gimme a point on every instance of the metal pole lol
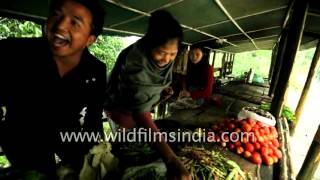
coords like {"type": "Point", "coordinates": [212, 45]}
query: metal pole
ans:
{"type": "Point", "coordinates": [295, 33]}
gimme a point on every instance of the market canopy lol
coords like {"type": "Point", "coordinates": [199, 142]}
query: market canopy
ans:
{"type": "Point", "coordinates": [230, 25]}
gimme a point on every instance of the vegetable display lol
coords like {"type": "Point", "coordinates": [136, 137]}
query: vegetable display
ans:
{"type": "Point", "coordinates": [251, 139]}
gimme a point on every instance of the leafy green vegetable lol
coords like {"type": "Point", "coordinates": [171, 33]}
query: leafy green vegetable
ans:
{"type": "Point", "coordinates": [4, 162]}
{"type": "Point", "coordinates": [286, 112]}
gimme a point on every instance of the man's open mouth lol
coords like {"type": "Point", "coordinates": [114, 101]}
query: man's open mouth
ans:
{"type": "Point", "coordinates": [60, 40]}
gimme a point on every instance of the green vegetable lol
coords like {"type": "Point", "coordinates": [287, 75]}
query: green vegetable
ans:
{"type": "Point", "coordinates": [286, 112]}
{"type": "Point", "coordinates": [206, 164]}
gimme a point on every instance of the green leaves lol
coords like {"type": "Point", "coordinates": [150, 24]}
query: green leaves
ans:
{"type": "Point", "coordinates": [107, 48]}
{"type": "Point", "coordinates": [18, 28]}
{"type": "Point", "coordinates": [4, 163]}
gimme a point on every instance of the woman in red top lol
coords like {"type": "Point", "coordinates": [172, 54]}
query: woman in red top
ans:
{"type": "Point", "coordinates": [198, 82]}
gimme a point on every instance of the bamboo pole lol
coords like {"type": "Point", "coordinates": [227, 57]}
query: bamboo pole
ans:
{"type": "Point", "coordinates": [307, 85]}
{"type": "Point", "coordinates": [312, 161]}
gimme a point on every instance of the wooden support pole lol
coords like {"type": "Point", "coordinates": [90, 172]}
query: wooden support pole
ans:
{"type": "Point", "coordinates": [222, 72]}
{"type": "Point", "coordinates": [312, 161]}
{"type": "Point", "coordinates": [279, 59]}
{"type": "Point", "coordinates": [213, 58]}
{"type": "Point", "coordinates": [232, 61]}
{"type": "Point", "coordinates": [307, 85]}
{"type": "Point", "coordinates": [273, 61]}
{"type": "Point", "coordinates": [295, 32]}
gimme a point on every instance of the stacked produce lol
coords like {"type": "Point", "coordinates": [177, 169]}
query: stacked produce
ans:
{"type": "Point", "coordinates": [204, 164]}
{"type": "Point", "coordinates": [252, 139]}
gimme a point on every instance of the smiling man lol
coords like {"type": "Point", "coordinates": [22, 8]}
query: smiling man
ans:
{"type": "Point", "coordinates": [46, 83]}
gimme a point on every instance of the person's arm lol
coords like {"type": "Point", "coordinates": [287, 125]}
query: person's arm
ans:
{"type": "Point", "coordinates": [207, 91]}
{"type": "Point", "coordinates": [184, 92]}
{"type": "Point", "coordinates": [175, 167]}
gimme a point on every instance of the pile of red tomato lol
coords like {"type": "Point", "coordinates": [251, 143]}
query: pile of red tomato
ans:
{"type": "Point", "coordinates": [252, 139]}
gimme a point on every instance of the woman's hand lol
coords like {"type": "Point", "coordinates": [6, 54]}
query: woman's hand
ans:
{"type": "Point", "coordinates": [167, 92]}
{"type": "Point", "coordinates": [184, 93]}
{"type": "Point", "coordinates": [176, 170]}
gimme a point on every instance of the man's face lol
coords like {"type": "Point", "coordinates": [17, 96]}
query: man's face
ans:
{"type": "Point", "coordinates": [195, 55]}
{"type": "Point", "coordinates": [69, 29]}
{"type": "Point", "coordinates": [166, 53]}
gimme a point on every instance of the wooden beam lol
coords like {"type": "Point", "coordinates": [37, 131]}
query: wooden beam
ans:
{"type": "Point", "coordinates": [311, 74]}
{"type": "Point", "coordinates": [299, 16]}
{"type": "Point", "coordinates": [312, 161]}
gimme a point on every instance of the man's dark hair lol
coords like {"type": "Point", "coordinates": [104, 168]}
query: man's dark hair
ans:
{"type": "Point", "coordinates": [162, 27]}
{"type": "Point", "coordinates": [98, 13]}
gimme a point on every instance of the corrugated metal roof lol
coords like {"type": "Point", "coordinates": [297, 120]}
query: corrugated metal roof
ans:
{"type": "Point", "coordinates": [247, 25]}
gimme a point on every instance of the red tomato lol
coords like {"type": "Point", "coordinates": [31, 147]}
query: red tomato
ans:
{"type": "Point", "coordinates": [225, 138]}
{"type": "Point", "coordinates": [278, 153]}
{"type": "Point", "coordinates": [247, 154]}
{"type": "Point", "coordinates": [249, 147]}
{"type": "Point", "coordinates": [272, 129]}
{"type": "Point", "coordinates": [266, 130]}
{"type": "Point", "coordinates": [240, 150]}
{"type": "Point", "coordinates": [260, 139]}
{"type": "Point", "coordinates": [246, 127]}
{"type": "Point", "coordinates": [238, 130]}
{"type": "Point", "coordinates": [264, 151]}
{"type": "Point", "coordinates": [231, 146]}
{"type": "Point", "coordinates": [276, 143]}
{"type": "Point", "coordinates": [275, 159]}
{"type": "Point", "coordinates": [238, 143]}
{"type": "Point", "coordinates": [231, 126]}
{"type": "Point", "coordinates": [261, 124]}
{"type": "Point", "coordinates": [257, 133]}
{"type": "Point", "coordinates": [251, 121]}
{"type": "Point", "coordinates": [257, 145]}
{"type": "Point", "coordinates": [256, 127]}
{"type": "Point", "coordinates": [267, 160]}
{"type": "Point", "coordinates": [256, 158]}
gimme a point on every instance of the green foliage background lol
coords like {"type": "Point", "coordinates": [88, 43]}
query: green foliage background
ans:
{"type": "Point", "coordinates": [18, 28]}
{"type": "Point", "coordinates": [259, 61]}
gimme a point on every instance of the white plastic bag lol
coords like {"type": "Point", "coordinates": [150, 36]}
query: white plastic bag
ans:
{"type": "Point", "coordinates": [98, 162]}
{"type": "Point", "coordinates": [249, 112]}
